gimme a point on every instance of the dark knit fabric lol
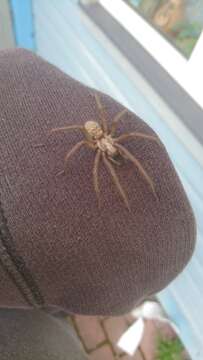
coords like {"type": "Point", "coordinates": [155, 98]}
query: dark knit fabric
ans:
{"type": "Point", "coordinates": [14, 265]}
{"type": "Point", "coordinates": [34, 335]}
{"type": "Point", "coordinates": [68, 252]}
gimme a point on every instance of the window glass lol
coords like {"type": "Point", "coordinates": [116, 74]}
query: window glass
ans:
{"type": "Point", "coordinates": [180, 21]}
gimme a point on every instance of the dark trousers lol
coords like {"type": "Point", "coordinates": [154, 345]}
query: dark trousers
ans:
{"type": "Point", "coordinates": [37, 335]}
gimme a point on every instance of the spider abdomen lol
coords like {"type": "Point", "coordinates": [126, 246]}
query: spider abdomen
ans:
{"type": "Point", "coordinates": [106, 145]}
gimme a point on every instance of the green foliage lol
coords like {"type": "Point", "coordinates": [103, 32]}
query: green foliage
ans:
{"type": "Point", "coordinates": [169, 349]}
{"type": "Point", "coordinates": [184, 34]}
{"type": "Point", "coordinates": [186, 45]}
{"type": "Point", "coordinates": [192, 30]}
{"type": "Point", "coordinates": [187, 35]}
{"type": "Point", "coordinates": [188, 30]}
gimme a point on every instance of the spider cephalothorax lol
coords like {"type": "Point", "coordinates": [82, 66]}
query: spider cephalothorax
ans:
{"type": "Point", "coordinates": [108, 148]}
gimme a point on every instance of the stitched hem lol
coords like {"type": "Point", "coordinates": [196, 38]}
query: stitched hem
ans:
{"type": "Point", "coordinates": [15, 266]}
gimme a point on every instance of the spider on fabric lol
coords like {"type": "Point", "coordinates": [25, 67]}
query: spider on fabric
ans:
{"type": "Point", "coordinates": [107, 148]}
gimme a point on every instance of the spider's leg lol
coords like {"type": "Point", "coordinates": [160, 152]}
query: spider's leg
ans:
{"type": "Point", "coordinates": [115, 180]}
{"type": "Point", "coordinates": [102, 114]}
{"type": "Point", "coordinates": [116, 120]}
{"type": "Point", "coordinates": [137, 134]}
{"type": "Point", "coordinates": [74, 149]}
{"type": "Point", "coordinates": [60, 173]}
{"type": "Point", "coordinates": [38, 145]}
{"type": "Point", "coordinates": [137, 164]}
{"type": "Point", "coordinates": [54, 130]}
{"type": "Point", "coordinates": [114, 161]}
{"type": "Point", "coordinates": [65, 128]}
{"type": "Point", "coordinates": [95, 175]}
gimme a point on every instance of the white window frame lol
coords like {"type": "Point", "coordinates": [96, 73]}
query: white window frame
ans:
{"type": "Point", "coordinates": [187, 72]}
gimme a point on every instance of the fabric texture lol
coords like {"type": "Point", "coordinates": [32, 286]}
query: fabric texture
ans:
{"type": "Point", "coordinates": [58, 248]}
{"type": "Point", "coordinates": [34, 335]}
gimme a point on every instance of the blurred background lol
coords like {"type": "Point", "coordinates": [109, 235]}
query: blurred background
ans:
{"type": "Point", "coordinates": [180, 21]}
{"type": "Point", "coordinates": [147, 54]}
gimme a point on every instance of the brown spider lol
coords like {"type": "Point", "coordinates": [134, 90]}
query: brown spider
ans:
{"type": "Point", "coordinates": [107, 148]}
